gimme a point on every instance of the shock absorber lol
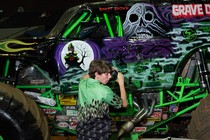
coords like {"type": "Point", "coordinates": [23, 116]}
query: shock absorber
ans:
{"type": "Point", "coordinates": [203, 70]}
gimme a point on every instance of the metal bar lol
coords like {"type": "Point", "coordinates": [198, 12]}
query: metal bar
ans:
{"type": "Point", "coordinates": [69, 30]}
{"type": "Point", "coordinates": [176, 115]}
{"type": "Point", "coordinates": [33, 86]}
{"type": "Point", "coordinates": [119, 26]}
{"type": "Point", "coordinates": [108, 25]}
{"type": "Point", "coordinates": [6, 68]}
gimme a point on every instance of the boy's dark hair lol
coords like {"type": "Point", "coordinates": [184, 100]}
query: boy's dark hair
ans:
{"type": "Point", "coordinates": [99, 66]}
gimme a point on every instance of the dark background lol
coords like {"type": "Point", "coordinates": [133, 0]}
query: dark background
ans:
{"type": "Point", "coordinates": [10, 7]}
{"type": "Point", "coordinates": [22, 13]}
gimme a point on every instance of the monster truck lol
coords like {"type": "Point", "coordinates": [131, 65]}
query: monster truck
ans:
{"type": "Point", "coordinates": [162, 48]}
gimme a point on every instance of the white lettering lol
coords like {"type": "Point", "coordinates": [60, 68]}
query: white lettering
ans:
{"type": "Point", "coordinates": [188, 10]}
{"type": "Point", "coordinates": [175, 10]}
{"type": "Point", "coordinates": [200, 10]}
{"type": "Point", "coordinates": [207, 9]}
{"type": "Point", "coordinates": [181, 10]}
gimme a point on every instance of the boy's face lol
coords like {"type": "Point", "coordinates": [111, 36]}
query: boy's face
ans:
{"type": "Point", "coordinates": [103, 78]}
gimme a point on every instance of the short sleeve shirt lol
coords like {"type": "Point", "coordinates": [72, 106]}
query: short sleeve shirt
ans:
{"type": "Point", "coordinates": [94, 99]}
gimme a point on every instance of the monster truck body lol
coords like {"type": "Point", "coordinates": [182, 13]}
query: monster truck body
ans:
{"type": "Point", "coordinates": [162, 53]}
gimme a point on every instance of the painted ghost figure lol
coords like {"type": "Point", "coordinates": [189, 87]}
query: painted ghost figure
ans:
{"type": "Point", "coordinates": [143, 22]}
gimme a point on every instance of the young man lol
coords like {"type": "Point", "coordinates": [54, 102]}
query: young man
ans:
{"type": "Point", "coordinates": [93, 122]}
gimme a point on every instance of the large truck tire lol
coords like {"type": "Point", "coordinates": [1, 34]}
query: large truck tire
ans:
{"type": "Point", "coordinates": [20, 117]}
{"type": "Point", "coordinates": [199, 127]}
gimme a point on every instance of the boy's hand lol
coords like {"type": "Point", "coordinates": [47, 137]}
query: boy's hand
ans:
{"type": "Point", "coordinates": [120, 78]}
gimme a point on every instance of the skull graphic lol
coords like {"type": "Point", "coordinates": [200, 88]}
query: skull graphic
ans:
{"type": "Point", "coordinates": [143, 22]}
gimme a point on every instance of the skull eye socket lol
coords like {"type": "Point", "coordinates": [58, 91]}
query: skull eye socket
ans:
{"type": "Point", "coordinates": [148, 17]}
{"type": "Point", "coordinates": [133, 18]}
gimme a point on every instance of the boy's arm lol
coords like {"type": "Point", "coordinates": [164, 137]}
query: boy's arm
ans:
{"type": "Point", "coordinates": [120, 80]}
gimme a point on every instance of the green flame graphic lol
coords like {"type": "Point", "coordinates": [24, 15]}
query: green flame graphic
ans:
{"type": "Point", "coordinates": [4, 46]}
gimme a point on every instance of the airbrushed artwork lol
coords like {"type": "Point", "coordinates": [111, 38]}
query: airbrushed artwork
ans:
{"type": "Point", "coordinates": [152, 45]}
{"type": "Point", "coordinates": [161, 48]}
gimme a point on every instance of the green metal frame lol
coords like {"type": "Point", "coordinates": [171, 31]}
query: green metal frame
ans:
{"type": "Point", "coordinates": [83, 17]}
{"type": "Point", "coordinates": [49, 94]}
{"type": "Point", "coordinates": [178, 97]}
{"type": "Point", "coordinates": [86, 17]}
